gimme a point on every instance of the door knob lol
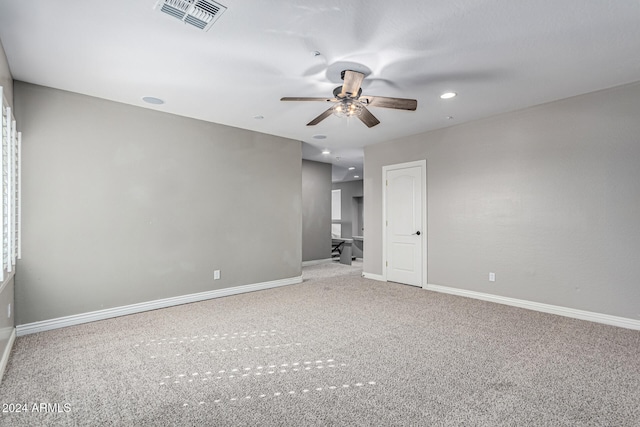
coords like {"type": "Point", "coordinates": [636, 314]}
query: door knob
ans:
{"type": "Point", "coordinates": [416, 233]}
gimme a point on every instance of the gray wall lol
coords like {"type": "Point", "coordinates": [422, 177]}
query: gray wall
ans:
{"type": "Point", "coordinates": [7, 322]}
{"type": "Point", "coordinates": [124, 205]}
{"type": "Point", "coordinates": [349, 211]}
{"type": "Point", "coordinates": [316, 210]}
{"type": "Point", "coordinates": [548, 198]}
{"type": "Point", "coordinates": [6, 289]}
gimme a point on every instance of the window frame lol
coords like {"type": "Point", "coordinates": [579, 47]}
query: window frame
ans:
{"type": "Point", "coordinates": [10, 180]}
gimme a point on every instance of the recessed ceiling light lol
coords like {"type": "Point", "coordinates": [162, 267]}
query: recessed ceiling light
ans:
{"type": "Point", "coordinates": [448, 95]}
{"type": "Point", "coordinates": [352, 168]}
{"type": "Point", "coordinates": [153, 100]}
{"type": "Point", "coordinates": [319, 136]}
{"type": "Point", "coordinates": [356, 176]}
{"type": "Point", "coordinates": [326, 152]}
{"type": "Point", "coordinates": [315, 53]}
{"type": "Point", "coordinates": [258, 117]}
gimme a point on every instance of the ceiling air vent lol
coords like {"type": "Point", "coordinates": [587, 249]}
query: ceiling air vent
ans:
{"type": "Point", "coordinates": [199, 13]}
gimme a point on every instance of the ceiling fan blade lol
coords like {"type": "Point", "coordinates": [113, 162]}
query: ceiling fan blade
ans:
{"type": "Point", "coordinates": [321, 117]}
{"type": "Point", "coordinates": [368, 118]}
{"type": "Point", "coordinates": [352, 82]}
{"type": "Point", "coordinates": [290, 98]}
{"type": "Point", "coordinates": [396, 103]}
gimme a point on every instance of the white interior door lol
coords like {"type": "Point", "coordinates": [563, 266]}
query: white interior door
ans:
{"type": "Point", "coordinates": [404, 224]}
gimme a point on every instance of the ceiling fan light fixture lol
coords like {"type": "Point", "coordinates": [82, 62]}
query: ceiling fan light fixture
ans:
{"type": "Point", "coordinates": [348, 108]}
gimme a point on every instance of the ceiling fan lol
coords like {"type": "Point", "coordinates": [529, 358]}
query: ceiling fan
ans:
{"type": "Point", "coordinates": [349, 101]}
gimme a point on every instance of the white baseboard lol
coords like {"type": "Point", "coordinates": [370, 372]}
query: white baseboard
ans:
{"type": "Point", "coordinates": [372, 276]}
{"type": "Point", "coordinates": [316, 262]}
{"type": "Point", "coordinates": [607, 319]}
{"type": "Point", "coordinates": [7, 353]}
{"type": "Point", "coordinates": [77, 319]}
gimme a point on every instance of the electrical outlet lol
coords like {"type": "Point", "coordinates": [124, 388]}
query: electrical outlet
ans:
{"type": "Point", "coordinates": [492, 277]}
{"type": "Point", "coordinates": [216, 275]}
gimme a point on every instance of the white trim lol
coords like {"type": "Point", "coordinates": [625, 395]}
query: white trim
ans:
{"type": "Point", "coordinates": [316, 262]}
{"type": "Point", "coordinates": [423, 171]}
{"type": "Point", "coordinates": [591, 316]}
{"type": "Point", "coordinates": [6, 281]}
{"type": "Point", "coordinates": [372, 276]}
{"type": "Point", "coordinates": [77, 319]}
{"type": "Point", "coordinates": [7, 353]}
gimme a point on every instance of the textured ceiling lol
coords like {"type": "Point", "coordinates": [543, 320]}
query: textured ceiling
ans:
{"type": "Point", "coordinates": [498, 55]}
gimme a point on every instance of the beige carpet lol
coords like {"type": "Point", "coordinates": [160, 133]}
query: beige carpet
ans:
{"type": "Point", "coordinates": [336, 349]}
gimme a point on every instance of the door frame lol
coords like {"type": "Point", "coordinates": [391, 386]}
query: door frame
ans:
{"type": "Point", "coordinates": [423, 169]}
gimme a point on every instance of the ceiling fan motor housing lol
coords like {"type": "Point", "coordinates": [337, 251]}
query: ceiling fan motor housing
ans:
{"type": "Point", "coordinates": [338, 91]}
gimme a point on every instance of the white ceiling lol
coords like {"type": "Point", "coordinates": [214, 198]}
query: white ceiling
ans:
{"type": "Point", "coordinates": [498, 55]}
